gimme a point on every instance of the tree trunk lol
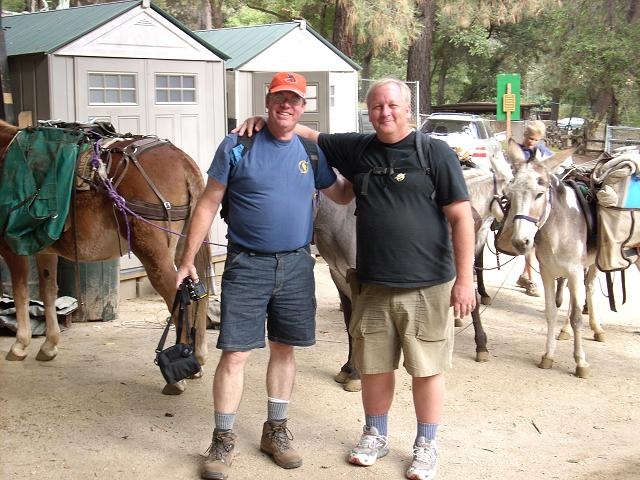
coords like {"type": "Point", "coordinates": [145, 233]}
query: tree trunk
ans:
{"type": "Point", "coordinates": [365, 74]}
{"type": "Point", "coordinates": [600, 109]}
{"type": "Point", "coordinates": [217, 18]}
{"type": "Point", "coordinates": [343, 35]}
{"type": "Point", "coordinates": [634, 11]}
{"type": "Point", "coordinates": [419, 56]}
{"type": "Point", "coordinates": [205, 16]}
{"type": "Point", "coordinates": [442, 80]}
{"type": "Point", "coordinates": [555, 105]}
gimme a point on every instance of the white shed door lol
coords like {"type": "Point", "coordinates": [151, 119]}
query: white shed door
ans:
{"type": "Point", "coordinates": [148, 97]}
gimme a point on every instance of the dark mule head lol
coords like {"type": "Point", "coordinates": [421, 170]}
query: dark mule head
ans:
{"type": "Point", "coordinates": [530, 197]}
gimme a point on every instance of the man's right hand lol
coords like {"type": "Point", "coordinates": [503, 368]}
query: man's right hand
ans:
{"type": "Point", "coordinates": [186, 271]}
{"type": "Point", "coordinates": [250, 126]}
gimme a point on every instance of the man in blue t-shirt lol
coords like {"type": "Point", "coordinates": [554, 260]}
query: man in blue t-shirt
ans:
{"type": "Point", "coordinates": [268, 272]}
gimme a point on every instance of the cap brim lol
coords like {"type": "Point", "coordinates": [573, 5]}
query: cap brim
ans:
{"type": "Point", "coordinates": [285, 88]}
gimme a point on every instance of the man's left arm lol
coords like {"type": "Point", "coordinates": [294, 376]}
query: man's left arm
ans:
{"type": "Point", "coordinates": [463, 293]}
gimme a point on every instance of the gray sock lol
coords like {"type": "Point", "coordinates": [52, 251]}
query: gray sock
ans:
{"type": "Point", "coordinates": [277, 409]}
{"type": "Point", "coordinates": [377, 421]}
{"type": "Point", "coordinates": [427, 430]}
{"type": "Point", "coordinates": [224, 421]}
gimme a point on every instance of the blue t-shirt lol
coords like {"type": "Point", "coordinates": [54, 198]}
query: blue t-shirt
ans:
{"type": "Point", "coordinates": [270, 191]}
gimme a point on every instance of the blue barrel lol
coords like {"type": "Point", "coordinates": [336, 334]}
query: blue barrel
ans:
{"type": "Point", "coordinates": [99, 288]}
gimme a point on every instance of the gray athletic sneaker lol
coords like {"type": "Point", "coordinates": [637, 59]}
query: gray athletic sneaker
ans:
{"type": "Point", "coordinates": [425, 460]}
{"type": "Point", "coordinates": [370, 447]}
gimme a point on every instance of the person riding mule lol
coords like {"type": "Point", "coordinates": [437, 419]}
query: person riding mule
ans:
{"type": "Point", "coordinates": [131, 204]}
{"type": "Point", "coordinates": [546, 214]}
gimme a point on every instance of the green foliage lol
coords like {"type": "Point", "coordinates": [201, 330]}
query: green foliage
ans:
{"type": "Point", "coordinates": [244, 16]}
{"type": "Point", "coordinates": [13, 5]}
{"type": "Point", "coordinates": [572, 52]}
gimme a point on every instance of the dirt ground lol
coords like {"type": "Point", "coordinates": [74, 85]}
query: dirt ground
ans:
{"type": "Point", "coordinates": [96, 411]}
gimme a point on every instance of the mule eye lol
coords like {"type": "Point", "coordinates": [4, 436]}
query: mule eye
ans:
{"type": "Point", "coordinates": [539, 196]}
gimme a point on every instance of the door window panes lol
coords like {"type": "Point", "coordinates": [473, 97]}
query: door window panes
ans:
{"type": "Point", "coordinates": [112, 88]}
{"type": "Point", "coordinates": [171, 88]}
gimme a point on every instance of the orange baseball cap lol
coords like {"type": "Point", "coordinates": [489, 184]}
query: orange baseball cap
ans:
{"type": "Point", "coordinates": [289, 81]}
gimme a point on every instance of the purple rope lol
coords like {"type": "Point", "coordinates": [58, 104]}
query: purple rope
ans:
{"type": "Point", "coordinates": [121, 204]}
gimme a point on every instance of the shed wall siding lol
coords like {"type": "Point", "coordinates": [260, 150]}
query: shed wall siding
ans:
{"type": "Point", "coordinates": [298, 51]}
{"type": "Point", "coordinates": [63, 86]}
{"type": "Point", "coordinates": [343, 114]}
{"type": "Point", "coordinates": [30, 85]}
{"type": "Point", "coordinates": [139, 33]}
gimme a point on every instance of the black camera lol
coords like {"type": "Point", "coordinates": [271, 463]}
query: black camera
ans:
{"type": "Point", "coordinates": [197, 290]}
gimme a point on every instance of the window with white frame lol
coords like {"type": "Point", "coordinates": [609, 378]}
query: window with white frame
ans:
{"type": "Point", "coordinates": [112, 88]}
{"type": "Point", "coordinates": [312, 98]}
{"type": "Point", "coordinates": [175, 88]}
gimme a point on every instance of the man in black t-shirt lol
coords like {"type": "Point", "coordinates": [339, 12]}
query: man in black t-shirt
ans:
{"type": "Point", "coordinates": [415, 249]}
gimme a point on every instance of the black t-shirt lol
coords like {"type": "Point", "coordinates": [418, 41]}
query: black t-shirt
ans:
{"type": "Point", "coordinates": [403, 238]}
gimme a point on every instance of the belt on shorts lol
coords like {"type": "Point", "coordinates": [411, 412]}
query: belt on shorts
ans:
{"type": "Point", "coordinates": [240, 248]}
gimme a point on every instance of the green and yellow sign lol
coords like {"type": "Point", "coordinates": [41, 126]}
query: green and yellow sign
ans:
{"type": "Point", "coordinates": [508, 96]}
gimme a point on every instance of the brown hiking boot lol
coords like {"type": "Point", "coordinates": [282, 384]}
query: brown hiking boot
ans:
{"type": "Point", "coordinates": [221, 453]}
{"type": "Point", "coordinates": [530, 287]}
{"type": "Point", "coordinates": [276, 441]}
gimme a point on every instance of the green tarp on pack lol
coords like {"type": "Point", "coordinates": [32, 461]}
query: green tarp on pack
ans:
{"type": "Point", "coordinates": [35, 187]}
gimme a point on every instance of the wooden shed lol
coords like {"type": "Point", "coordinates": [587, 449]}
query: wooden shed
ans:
{"type": "Point", "coordinates": [257, 52]}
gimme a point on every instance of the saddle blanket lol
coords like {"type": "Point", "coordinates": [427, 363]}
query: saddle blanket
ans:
{"type": "Point", "coordinates": [35, 186]}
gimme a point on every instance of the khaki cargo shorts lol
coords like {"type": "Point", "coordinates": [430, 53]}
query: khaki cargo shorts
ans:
{"type": "Point", "coordinates": [415, 321]}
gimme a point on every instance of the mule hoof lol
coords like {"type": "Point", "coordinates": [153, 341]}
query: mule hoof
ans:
{"type": "Point", "coordinates": [352, 385]}
{"type": "Point", "coordinates": [196, 376]}
{"type": "Point", "coordinates": [546, 363]}
{"type": "Point", "coordinates": [12, 357]}
{"type": "Point", "coordinates": [482, 357]}
{"type": "Point", "coordinates": [564, 335]}
{"type": "Point", "coordinates": [46, 357]}
{"type": "Point", "coordinates": [599, 337]}
{"type": "Point", "coordinates": [582, 372]}
{"type": "Point", "coordinates": [341, 377]}
{"type": "Point", "coordinates": [485, 300]}
{"type": "Point", "coordinates": [458, 322]}
{"type": "Point", "coordinates": [173, 388]}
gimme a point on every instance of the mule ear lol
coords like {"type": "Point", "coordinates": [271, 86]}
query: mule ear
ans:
{"type": "Point", "coordinates": [554, 161]}
{"type": "Point", "coordinates": [501, 167]}
{"type": "Point", "coordinates": [515, 155]}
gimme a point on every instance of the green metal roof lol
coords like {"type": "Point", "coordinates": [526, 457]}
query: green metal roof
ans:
{"type": "Point", "coordinates": [244, 43]}
{"type": "Point", "coordinates": [46, 32]}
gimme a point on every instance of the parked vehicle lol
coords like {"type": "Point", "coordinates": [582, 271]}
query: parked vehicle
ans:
{"type": "Point", "coordinates": [465, 132]}
{"type": "Point", "coordinates": [571, 123]}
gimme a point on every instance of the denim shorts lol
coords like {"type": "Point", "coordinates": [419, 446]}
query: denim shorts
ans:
{"type": "Point", "coordinates": [273, 291]}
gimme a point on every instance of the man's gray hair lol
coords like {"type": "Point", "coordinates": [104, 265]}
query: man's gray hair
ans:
{"type": "Point", "coordinates": [404, 88]}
